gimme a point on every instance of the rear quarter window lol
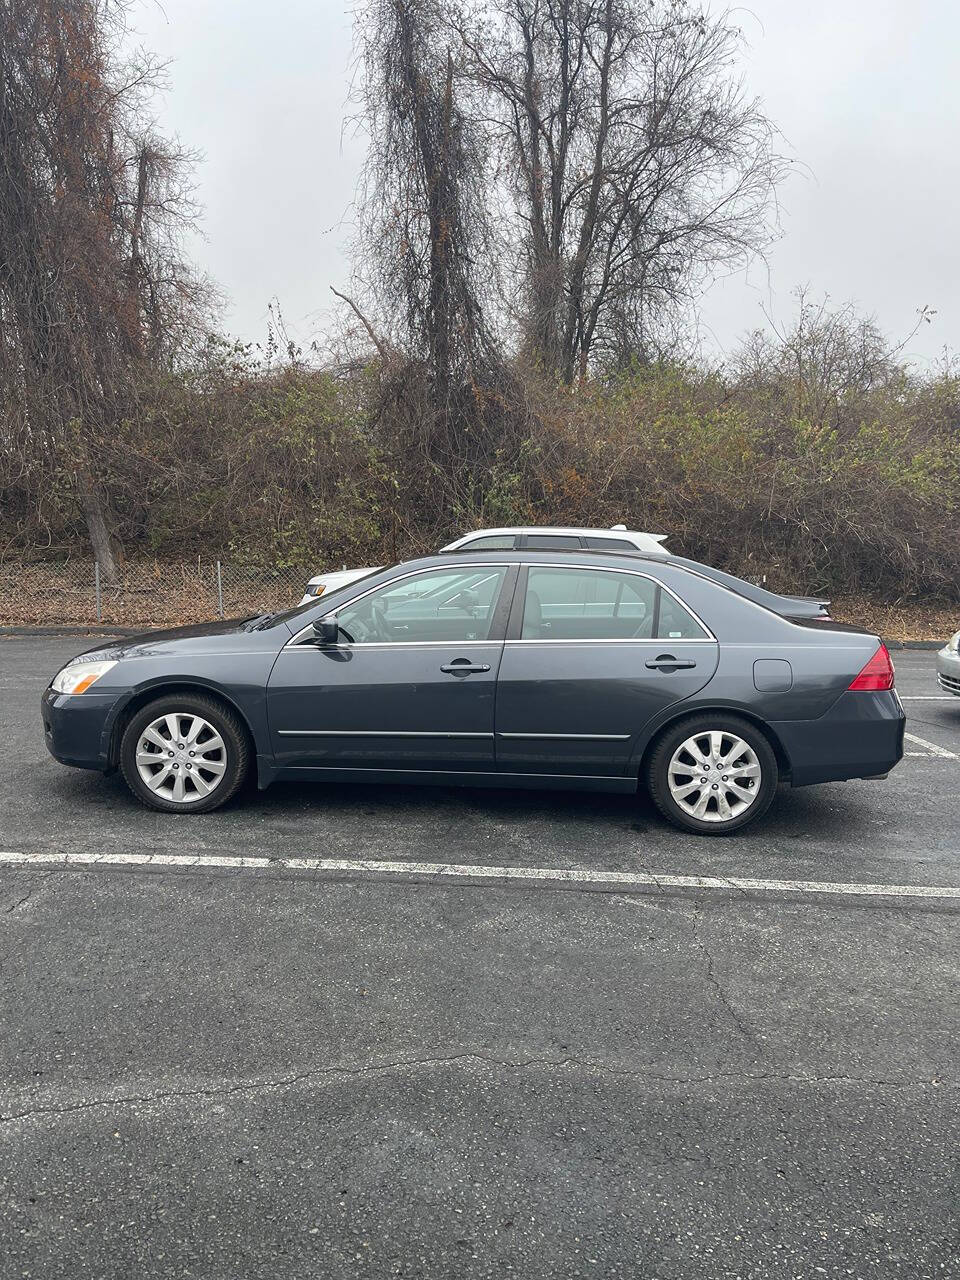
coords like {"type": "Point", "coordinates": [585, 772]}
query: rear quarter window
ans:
{"type": "Point", "coordinates": [676, 621]}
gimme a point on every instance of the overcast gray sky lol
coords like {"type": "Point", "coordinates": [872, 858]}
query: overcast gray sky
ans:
{"type": "Point", "coordinates": [865, 92]}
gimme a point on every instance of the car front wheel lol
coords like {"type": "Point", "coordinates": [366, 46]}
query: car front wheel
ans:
{"type": "Point", "coordinates": [713, 774]}
{"type": "Point", "coordinates": [184, 754]}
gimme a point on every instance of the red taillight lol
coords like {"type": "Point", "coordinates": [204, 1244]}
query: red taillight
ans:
{"type": "Point", "coordinates": [877, 674]}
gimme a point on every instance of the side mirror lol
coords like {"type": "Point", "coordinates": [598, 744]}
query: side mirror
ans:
{"type": "Point", "coordinates": [327, 630]}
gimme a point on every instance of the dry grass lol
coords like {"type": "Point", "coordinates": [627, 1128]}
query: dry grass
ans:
{"type": "Point", "coordinates": [899, 621]}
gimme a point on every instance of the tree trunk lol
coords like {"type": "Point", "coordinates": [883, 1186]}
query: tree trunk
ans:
{"type": "Point", "coordinates": [92, 503]}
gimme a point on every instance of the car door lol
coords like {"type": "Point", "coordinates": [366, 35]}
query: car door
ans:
{"type": "Point", "coordinates": [410, 683]}
{"type": "Point", "coordinates": [591, 655]}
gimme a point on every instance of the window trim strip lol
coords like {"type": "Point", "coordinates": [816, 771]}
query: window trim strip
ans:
{"type": "Point", "coordinates": [396, 644]}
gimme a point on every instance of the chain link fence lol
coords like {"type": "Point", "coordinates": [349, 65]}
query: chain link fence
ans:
{"type": "Point", "coordinates": [153, 593]}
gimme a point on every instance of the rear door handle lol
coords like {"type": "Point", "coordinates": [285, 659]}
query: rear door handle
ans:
{"type": "Point", "coordinates": [463, 667]}
{"type": "Point", "coordinates": [667, 662]}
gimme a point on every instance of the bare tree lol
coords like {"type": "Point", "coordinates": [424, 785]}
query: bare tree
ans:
{"type": "Point", "coordinates": [423, 229]}
{"type": "Point", "coordinates": [635, 161]}
{"type": "Point", "coordinates": [827, 367]}
{"type": "Point", "coordinates": [94, 291]}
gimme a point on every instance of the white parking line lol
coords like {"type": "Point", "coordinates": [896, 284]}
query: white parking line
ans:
{"type": "Point", "coordinates": [932, 747]}
{"type": "Point", "coordinates": [928, 697]}
{"type": "Point", "coordinates": [366, 867]}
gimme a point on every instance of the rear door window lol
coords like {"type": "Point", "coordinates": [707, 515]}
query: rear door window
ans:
{"type": "Point", "coordinates": [601, 604]}
{"type": "Point", "coordinates": [587, 604]}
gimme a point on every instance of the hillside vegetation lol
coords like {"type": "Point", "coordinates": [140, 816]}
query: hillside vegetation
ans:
{"type": "Point", "coordinates": [808, 460]}
{"type": "Point", "coordinates": [547, 191]}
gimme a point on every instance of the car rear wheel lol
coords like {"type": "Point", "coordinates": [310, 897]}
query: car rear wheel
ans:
{"type": "Point", "coordinates": [713, 774]}
{"type": "Point", "coordinates": [184, 754]}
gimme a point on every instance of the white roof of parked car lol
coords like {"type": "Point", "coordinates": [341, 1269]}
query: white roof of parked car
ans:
{"type": "Point", "coordinates": [348, 575]}
{"type": "Point", "coordinates": [644, 541]}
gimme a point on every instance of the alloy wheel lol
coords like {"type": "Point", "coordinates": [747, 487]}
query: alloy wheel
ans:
{"type": "Point", "coordinates": [181, 757]}
{"type": "Point", "coordinates": [714, 776]}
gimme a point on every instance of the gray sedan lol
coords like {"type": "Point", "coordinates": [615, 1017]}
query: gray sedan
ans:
{"type": "Point", "coordinates": [948, 666]}
{"type": "Point", "coordinates": [513, 668]}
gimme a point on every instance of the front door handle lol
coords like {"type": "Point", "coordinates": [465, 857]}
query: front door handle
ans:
{"type": "Point", "coordinates": [463, 667]}
{"type": "Point", "coordinates": [667, 662]}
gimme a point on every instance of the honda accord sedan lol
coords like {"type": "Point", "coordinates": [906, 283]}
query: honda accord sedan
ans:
{"type": "Point", "coordinates": [517, 668]}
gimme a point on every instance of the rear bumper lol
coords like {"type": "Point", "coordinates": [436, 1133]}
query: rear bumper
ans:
{"type": "Point", "coordinates": [76, 730]}
{"type": "Point", "coordinates": [861, 736]}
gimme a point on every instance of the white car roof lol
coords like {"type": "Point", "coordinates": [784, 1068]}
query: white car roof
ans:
{"type": "Point", "coordinates": [642, 541]}
{"type": "Point", "coordinates": [348, 575]}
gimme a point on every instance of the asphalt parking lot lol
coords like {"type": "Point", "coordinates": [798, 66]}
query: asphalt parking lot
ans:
{"type": "Point", "coordinates": [241, 1071]}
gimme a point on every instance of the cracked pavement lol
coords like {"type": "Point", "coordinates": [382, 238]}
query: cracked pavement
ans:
{"type": "Point", "coordinates": [244, 1075]}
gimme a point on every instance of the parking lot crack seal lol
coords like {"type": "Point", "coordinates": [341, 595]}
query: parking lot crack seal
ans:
{"type": "Point", "coordinates": [319, 1073]}
{"type": "Point", "coordinates": [30, 894]}
{"type": "Point", "coordinates": [713, 980]}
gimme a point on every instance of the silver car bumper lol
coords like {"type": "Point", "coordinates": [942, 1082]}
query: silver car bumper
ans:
{"type": "Point", "coordinates": [948, 671]}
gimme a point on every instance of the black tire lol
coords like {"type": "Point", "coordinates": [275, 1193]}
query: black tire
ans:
{"type": "Point", "coordinates": [658, 767]}
{"type": "Point", "coordinates": [235, 755]}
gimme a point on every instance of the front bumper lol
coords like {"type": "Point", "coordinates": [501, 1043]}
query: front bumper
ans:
{"type": "Point", "coordinates": [861, 736]}
{"type": "Point", "coordinates": [77, 728]}
{"type": "Point", "coordinates": [948, 671]}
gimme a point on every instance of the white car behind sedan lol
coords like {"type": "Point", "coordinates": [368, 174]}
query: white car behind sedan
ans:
{"type": "Point", "coordinates": [324, 582]}
{"type": "Point", "coordinates": [526, 537]}
{"type": "Point", "coordinates": [538, 537]}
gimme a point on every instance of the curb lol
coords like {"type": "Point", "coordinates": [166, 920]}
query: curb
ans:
{"type": "Point", "coordinates": [928, 646]}
{"type": "Point", "coordinates": [72, 631]}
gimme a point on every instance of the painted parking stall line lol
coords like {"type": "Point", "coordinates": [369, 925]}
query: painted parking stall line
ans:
{"type": "Point", "coordinates": [363, 868]}
{"type": "Point", "coordinates": [930, 748]}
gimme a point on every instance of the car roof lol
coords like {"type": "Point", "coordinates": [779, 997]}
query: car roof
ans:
{"type": "Point", "coordinates": [339, 573]}
{"type": "Point", "coordinates": [536, 555]}
{"type": "Point", "coordinates": [629, 558]}
{"type": "Point", "coordinates": [623, 534]}
{"type": "Point", "coordinates": [670, 571]}
{"type": "Point", "coordinates": [751, 591]}
{"type": "Point", "coordinates": [758, 596]}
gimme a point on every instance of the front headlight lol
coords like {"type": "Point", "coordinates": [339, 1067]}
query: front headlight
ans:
{"type": "Point", "coordinates": [954, 643]}
{"type": "Point", "coordinates": [315, 588]}
{"type": "Point", "coordinates": [76, 677]}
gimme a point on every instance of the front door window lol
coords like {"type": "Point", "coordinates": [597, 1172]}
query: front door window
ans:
{"type": "Point", "coordinates": [443, 605]}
